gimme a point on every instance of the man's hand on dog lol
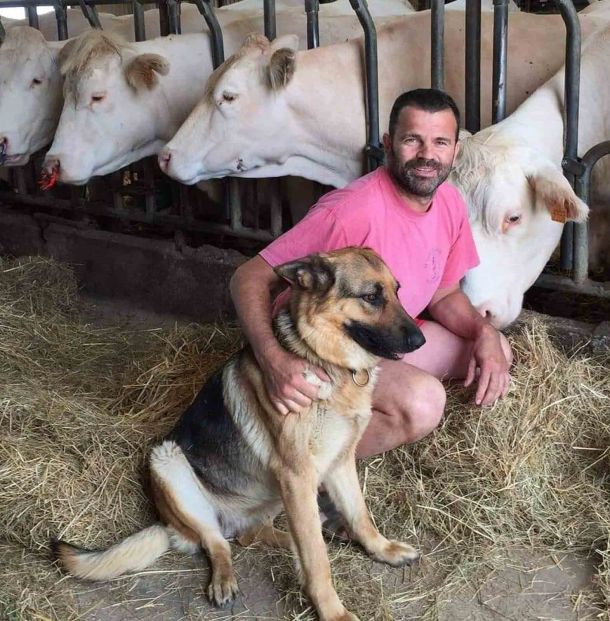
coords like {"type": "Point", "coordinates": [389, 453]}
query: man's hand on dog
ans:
{"type": "Point", "coordinates": [284, 375]}
{"type": "Point", "coordinates": [487, 355]}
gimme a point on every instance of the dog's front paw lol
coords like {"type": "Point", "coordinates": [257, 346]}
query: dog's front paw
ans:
{"type": "Point", "coordinates": [223, 589]}
{"type": "Point", "coordinates": [396, 553]}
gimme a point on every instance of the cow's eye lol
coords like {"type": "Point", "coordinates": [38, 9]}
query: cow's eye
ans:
{"type": "Point", "coordinates": [97, 97]}
{"type": "Point", "coordinates": [36, 81]}
{"type": "Point", "coordinates": [513, 219]}
{"type": "Point", "coordinates": [229, 97]}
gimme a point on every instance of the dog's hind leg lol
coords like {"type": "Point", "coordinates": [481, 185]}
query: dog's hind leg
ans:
{"type": "Point", "coordinates": [267, 534]}
{"type": "Point", "coordinates": [185, 505]}
{"type": "Point", "coordinates": [343, 486]}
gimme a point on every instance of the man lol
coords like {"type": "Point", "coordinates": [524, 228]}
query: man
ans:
{"type": "Point", "coordinates": [419, 225]}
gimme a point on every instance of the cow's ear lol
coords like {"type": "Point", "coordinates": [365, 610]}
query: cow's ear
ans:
{"type": "Point", "coordinates": [553, 190]}
{"type": "Point", "coordinates": [281, 67]}
{"type": "Point", "coordinates": [311, 273]}
{"type": "Point", "coordinates": [141, 71]}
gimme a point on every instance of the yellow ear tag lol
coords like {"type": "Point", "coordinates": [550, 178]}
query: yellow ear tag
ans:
{"type": "Point", "coordinates": [558, 212]}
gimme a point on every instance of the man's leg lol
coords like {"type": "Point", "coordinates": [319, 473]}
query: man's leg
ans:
{"type": "Point", "coordinates": [409, 399]}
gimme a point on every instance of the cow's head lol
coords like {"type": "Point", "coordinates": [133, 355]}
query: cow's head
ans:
{"type": "Point", "coordinates": [30, 94]}
{"type": "Point", "coordinates": [518, 201]}
{"type": "Point", "coordinates": [241, 124]}
{"type": "Point", "coordinates": [108, 119]}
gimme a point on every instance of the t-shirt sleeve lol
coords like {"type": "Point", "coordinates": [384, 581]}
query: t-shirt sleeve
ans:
{"type": "Point", "coordinates": [463, 254]}
{"type": "Point", "coordinates": [318, 231]}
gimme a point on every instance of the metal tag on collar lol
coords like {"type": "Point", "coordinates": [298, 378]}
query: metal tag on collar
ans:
{"type": "Point", "coordinates": [358, 381]}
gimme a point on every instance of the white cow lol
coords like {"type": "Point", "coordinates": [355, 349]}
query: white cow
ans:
{"type": "Point", "coordinates": [30, 97]}
{"type": "Point", "coordinates": [511, 178]}
{"type": "Point", "coordinates": [303, 113]}
{"type": "Point", "coordinates": [96, 139]}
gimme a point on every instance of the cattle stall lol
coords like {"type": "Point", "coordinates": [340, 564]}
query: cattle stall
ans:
{"type": "Point", "coordinates": [245, 213]}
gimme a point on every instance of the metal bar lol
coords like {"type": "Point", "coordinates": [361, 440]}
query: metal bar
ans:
{"type": "Point", "coordinates": [173, 11]}
{"type": "Point", "coordinates": [500, 59]}
{"type": "Point", "coordinates": [65, 3]}
{"type": "Point", "coordinates": [373, 148]}
{"type": "Point", "coordinates": [563, 283]}
{"type": "Point", "coordinates": [62, 21]}
{"type": "Point", "coordinates": [571, 102]}
{"type": "Point", "coordinates": [139, 24]}
{"type": "Point", "coordinates": [90, 15]}
{"type": "Point", "coordinates": [581, 187]}
{"type": "Point", "coordinates": [437, 34]}
{"type": "Point", "coordinates": [269, 17]}
{"type": "Point", "coordinates": [123, 214]}
{"type": "Point", "coordinates": [312, 8]}
{"type": "Point", "coordinates": [234, 203]}
{"type": "Point", "coordinates": [32, 16]}
{"type": "Point", "coordinates": [473, 65]}
{"type": "Point", "coordinates": [218, 50]}
{"type": "Point", "coordinates": [2, 32]}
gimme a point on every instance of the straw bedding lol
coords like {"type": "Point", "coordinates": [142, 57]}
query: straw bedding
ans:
{"type": "Point", "coordinates": [79, 407]}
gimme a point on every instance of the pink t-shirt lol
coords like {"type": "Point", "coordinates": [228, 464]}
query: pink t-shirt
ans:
{"type": "Point", "coordinates": [425, 251]}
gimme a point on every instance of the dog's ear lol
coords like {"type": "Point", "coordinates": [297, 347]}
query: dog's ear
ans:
{"type": "Point", "coordinates": [312, 273]}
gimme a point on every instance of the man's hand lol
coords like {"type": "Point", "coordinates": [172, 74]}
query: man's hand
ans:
{"type": "Point", "coordinates": [284, 375]}
{"type": "Point", "coordinates": [487, 355]}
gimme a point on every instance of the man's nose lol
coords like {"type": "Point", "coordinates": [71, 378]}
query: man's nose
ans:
{"type": "Point", "coordinates": [426, 151]}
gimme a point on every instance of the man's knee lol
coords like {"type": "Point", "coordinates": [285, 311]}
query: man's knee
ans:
{"type": "Point", "coordinates": [424, 404]}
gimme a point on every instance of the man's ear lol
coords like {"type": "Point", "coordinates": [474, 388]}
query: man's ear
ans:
{"type": "Point", "coordinates": [387, 144]}
{"type": "Point", "coordinates": [141, 71]}
{"type": "Point", "coordinates": [556, 194]}
{"type": "Point", "coordinates": [313, 273]}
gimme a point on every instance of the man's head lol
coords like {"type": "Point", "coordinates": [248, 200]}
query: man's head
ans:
{"type": "Point", "coordinates": [422, 141]}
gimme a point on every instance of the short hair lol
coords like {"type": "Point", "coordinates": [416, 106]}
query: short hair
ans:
{"type": "Point", "coordinates": [428, 99]}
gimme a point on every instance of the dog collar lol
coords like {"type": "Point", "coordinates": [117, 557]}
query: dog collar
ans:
{"type": "Point", "coordinates": [364, 381]}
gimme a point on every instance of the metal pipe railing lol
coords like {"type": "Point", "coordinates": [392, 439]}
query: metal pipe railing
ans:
{"type": "Point", "coordinates": [173, 15]}
{"type": "Point", "coordinates": [139, 24]}
{"type": "Point", "coordinates": [374, 152]}
{"type": "Point", "coordinates": [216, 39]}
{"type": "Point", "coordinates": [500, 59]}
{"type": "Point", "coordinates": [269, 19]}
{"type": "Point", "coordinates": [582, 188]}
{"type": "Point", "coordinates": [90, 15]}
{"type": "Point", "coordinates": [32, 16]}
{"type": "Point", "coordinates": [571, 103]}
{"type": "Point", "coordinates": [437, 48]}
{"type": "Point", "coordinates": [62, 20]}
{"type": "Point", "coordinates": [312, 8]}
{"type": "Point", "coordinates": [473, 66]}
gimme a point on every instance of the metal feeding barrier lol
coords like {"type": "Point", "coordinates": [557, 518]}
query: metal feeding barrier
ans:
{"type": "Point", "coordinates": [137, 193]}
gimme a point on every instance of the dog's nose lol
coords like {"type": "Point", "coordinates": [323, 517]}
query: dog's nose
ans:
{"type": "Point", "coordinates": [415, 338]}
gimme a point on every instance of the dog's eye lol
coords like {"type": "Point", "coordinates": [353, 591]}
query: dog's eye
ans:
{"type": "Point", "coordinates": [371, 298]}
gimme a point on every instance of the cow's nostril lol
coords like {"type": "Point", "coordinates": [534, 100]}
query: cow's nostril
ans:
{"type": "Point", "coordinates": [164, 159]}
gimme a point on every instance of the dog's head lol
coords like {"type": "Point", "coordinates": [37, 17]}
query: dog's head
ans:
{"type": "Point", "coordinates": [344, 305]}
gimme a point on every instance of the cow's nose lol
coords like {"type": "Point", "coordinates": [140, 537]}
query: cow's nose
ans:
{"type": "Point", "coordinates": [51, 163]}
{"type": "Point", "coordinates": [164, 158]}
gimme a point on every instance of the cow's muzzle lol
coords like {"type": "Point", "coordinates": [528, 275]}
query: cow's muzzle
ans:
{"type": "Point", "coordinates": [50, 173]}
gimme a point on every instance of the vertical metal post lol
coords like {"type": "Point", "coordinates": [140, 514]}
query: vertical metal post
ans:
{"type": "Point", "coordinates": [269, 16]}
{"type": "Point", "coordinates": [173, 11]}
{"type": "Point", "coordinates": [500, 57]}
{"type": "Point", "coordinates": [32, 16]}
{"type": "Point", "coordinates": [581, 187]}
{"type": "Point", "coordinates": [90, 15]}
{"type": "Point", "coordinates": [312, 8]}
{"type": "Point", "coordinates": [218, 51]}
{"type": "Point", "coordinates": [373, 149]}
{"type": "Point", "coordinates": [437, 33]}
{"type": "Point", "coordinates": [571, 103]}
{"type": "Point", "coordinates": [139, 24]}
{"type": "Point", "coordinates": [62, 21]}
{"type": "Point", "coordinates": [473, 65]}
{"type": "Point", "coordinates": [2, 32]}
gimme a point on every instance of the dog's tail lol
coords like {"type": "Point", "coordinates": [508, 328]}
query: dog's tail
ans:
{"type": "Point", "coordinates": [132, 554]}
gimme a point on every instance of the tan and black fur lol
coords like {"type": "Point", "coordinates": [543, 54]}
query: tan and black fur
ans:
{"type": "Point", "coordinates": [233, 461]}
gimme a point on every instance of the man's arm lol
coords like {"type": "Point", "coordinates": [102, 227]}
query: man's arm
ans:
{"type": "Point", "coordinates": [252, 287]}
{"type": "Point", "coordinates": [451, 308]}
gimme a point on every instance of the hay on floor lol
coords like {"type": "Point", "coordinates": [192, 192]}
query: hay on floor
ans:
{"type": "Point", "coordinates": [80, 406]}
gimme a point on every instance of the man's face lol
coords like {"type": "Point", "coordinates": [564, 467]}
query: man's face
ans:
{"type": "Point", "coordinates": [421, 153]}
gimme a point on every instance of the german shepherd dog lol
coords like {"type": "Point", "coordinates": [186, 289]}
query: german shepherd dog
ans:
{"type": "Point", "coordinates": [232, 460]}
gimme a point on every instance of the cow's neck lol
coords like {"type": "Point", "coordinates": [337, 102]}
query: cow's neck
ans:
{"type": "Point", "coordinates": [180, 90]}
